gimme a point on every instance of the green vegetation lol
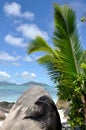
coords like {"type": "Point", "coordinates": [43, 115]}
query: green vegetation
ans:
{"type": "Point", "coordinates": [65, 62]}
{"type": "Point", "coordinates": [83, 19]}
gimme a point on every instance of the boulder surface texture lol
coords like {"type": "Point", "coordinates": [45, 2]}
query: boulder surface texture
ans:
{"type": "Point", "coordinates": [34, 110]}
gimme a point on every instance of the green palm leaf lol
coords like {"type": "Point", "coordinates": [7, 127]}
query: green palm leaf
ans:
{"type": "Point", "coordinates": [66, 38]}
{"type": "Point", "coordinates": [49, 57]}
{"type": "Point", "coordinates": [39, 44]}
{"type": "Point", "coordinates": [63, 61]}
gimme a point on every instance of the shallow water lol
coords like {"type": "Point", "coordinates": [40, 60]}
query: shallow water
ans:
{"type": "Point", "coordinates": [13, 92]}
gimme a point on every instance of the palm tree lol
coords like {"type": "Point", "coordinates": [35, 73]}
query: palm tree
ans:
{"type": "Point", "coordinates": [64, 60]}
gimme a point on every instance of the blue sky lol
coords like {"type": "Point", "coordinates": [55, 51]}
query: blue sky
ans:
{"type": "Point", "coordinates": [20, 22]}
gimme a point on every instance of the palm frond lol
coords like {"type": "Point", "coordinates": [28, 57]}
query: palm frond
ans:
{"type": "Point", "coordinates": [39, 44]}
{"type": "Point", "coordinates": [66, 38]}
{"type": "Point", "coordinates": [63, 61]}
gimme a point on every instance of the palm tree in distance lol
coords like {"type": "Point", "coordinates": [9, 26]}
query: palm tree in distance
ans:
{"type": "Point", "coordinates": [65, 61]}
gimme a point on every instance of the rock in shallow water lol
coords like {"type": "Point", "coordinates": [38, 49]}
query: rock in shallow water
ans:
{"type": "Point", "coordinates": [34, 110]}
{"type": "Point", "coordinates": [6, 106]}
{"type": "Point", "coordinates": [2, 115]}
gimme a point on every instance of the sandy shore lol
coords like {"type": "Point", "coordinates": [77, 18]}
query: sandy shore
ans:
{"type": "Point", "coordinates": [61, 113]}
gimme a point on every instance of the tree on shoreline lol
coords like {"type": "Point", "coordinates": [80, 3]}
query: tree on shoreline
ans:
{"type": "Point", "coordinates": [65, 62]}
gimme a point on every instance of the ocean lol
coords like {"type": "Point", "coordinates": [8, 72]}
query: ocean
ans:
{"type": "Point", "coordinates": [11, 93]}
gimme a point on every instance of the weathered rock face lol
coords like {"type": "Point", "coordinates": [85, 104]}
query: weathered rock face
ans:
{"type": "Point", "coordinates": [34, 110]}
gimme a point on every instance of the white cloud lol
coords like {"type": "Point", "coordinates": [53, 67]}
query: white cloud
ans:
{"type": "Point", "coordinates": [6, 57]}
{"type": "Point", "coordinates": [27, 59]}
{"type": "Point", "coordinates": [16, 63]}
{"type": "Point", "coordinates": [31, 30]}
{"type": "Point", "coordinates": [17, 22]}
{"type": "Point", "coordinates": [27, 76]}
{"type": "Point", "coordinates": [14, 9]}
{"type": "Point", "coordinates": [4, 76]}
{"type": "Point", "coordinates": [15, 41]}
{"type": "Point", "coordinates": [28, 15]}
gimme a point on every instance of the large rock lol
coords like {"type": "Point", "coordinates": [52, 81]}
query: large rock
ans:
{"type": "Point", "coordinates": [34, 110]}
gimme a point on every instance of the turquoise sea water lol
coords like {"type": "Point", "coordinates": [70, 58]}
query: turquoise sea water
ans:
{"type": "Point", "coordinates": [13, 92]}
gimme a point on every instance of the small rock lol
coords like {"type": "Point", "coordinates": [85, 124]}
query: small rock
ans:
{"type": "Point", "coordinates": [2, 115]}
{"type": "Point", "coordinates": [65, 106]}
{"type": "Point", "coordinates": [6, 106]}
{"type": "Point", "coordinates": [62, 104]}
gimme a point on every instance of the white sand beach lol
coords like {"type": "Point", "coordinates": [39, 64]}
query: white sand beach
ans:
{"type": "Point", "coordinates": [1, 122]}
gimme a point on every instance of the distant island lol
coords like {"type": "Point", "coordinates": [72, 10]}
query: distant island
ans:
{"type": "Point", "coordinates": [34, 83]}
{"type": "Point", "coordinates": [7, 83]}
{"type": "Point", "coordinates": [31, 83]}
